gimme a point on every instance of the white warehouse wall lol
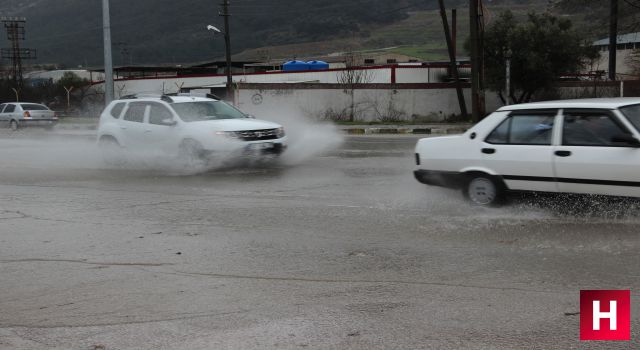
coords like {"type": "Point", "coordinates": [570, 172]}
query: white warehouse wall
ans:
{"type": "Point", "coordinates": [423, 105]}
{"type": "Point", "coordinates": [172, 85]}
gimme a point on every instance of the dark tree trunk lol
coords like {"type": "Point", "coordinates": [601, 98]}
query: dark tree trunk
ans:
{"type": "Point", "coordinates": [504, 102]}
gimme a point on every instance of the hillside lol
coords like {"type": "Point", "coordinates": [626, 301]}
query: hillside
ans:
{"type": "Point", "coordinates": [173, 32]}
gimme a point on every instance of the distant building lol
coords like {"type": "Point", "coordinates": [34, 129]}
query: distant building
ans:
{"type": "Point", "coordinates": [627, 44]}
{"type": "Point", "coordinates": [55, 75]}
{"type": "Point", "coordinates": [367, 58]}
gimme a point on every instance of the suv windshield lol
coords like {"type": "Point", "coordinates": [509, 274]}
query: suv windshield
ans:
{"type": "Point", "coordinates": [633, 114]}
{"type": "Point", "coordinates": [206, 110]}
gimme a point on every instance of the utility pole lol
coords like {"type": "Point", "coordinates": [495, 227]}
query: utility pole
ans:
{"type": "Point", "coordinates": [613, 39]}
{"type": "Point", "coordinates": [108, 59]}
{"type": "Point", "coordinates": [454, 31]}
{"type": "Point", "coordinates": [16, 33]}
{"type": "Point", "coordinates": [452, 57]}
{"type": "Point", "coordinates": [507, 56]}
{"type": "Point", "coordinates": [475, 60]}
{"type": "Point", "coordinates": [227, 44]}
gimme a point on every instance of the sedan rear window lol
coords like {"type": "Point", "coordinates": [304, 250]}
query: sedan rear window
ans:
{"type": "Point", "coordinates": [524, 130]}
{"type": "Point", "coordinates": [34, 107]}
{"type": "Point", "coordinates": [633, 115]}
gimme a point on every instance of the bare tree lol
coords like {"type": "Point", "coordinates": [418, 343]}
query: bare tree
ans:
{"type": "Point", "coordinates": [351, 77]}
{"type": "Point", "coordinates": [633, 60]}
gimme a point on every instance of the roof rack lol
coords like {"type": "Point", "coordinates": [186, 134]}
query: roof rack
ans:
{"type": "Point", "coordinates": [165, 98]}
{"type": "Point", "coordinates": [192, 94]}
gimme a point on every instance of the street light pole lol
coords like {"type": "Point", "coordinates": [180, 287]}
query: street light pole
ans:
{"type": "Point", "coordinates": [227, 43]}
{"type": "Point", "coordinates": [108, 63]}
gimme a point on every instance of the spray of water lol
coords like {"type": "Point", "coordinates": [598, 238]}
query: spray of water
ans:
{"type": "Point", "coordinates": [307, 138]}
{"type": "Point", "coordinates": [68, 150]}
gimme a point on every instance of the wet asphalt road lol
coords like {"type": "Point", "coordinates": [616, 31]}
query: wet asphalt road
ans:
{"type": "Point", "coordinates": [343, 250]}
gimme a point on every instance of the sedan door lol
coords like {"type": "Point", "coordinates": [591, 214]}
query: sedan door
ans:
{"type": "Point", "coordinates": [4, 120]}
{"type": "Point", "coordinates": [592, 157]}
{"type": "Point", "coordinates": [520, 149]}
{"type": "Point", "coordinates": [9, 112]}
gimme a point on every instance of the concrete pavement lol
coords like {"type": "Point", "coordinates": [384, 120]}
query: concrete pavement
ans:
{"type": "Point", "coordinates": [420, 129]}
{"type": "Point", "coordinates": [339, 250]}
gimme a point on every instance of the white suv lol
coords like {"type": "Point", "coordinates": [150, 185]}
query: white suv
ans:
{"type": "Point", "coordinates": [575, 146]}
{"type": "Point", "coordinates": [194, 127]}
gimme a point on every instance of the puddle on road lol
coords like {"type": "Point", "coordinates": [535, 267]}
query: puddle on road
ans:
{"type": "Point", "coordinates": [388, 187]}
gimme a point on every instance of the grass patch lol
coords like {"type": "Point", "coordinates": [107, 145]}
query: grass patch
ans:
{"type": "Point", "coordinates": [422, 52]}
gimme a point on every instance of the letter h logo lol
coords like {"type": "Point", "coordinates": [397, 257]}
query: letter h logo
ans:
{"type": "Point", "coordinates": [605, 315]}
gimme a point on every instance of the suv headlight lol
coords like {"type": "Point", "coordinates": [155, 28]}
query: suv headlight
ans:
{"type": "Point", "coordinates": [227, 134]}
{"type": "Point", "coordinates": [280, 132]}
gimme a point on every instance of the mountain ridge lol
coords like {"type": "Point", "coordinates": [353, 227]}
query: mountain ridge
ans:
{"type": "Point", "coordinates": [174, 32]}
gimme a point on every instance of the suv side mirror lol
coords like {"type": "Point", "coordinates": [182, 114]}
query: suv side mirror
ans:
{"type": "Point", "coordinates": [169, 122]}
{"type": "Point", "coordinates": [626, 138]}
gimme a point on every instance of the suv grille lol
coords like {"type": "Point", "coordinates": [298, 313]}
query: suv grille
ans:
{"type": "Point", "coordinates": [257, 135]}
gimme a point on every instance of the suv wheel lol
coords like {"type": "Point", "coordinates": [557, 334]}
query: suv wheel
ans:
{"type": "Point", "coordinates": [111, 151]}
{"type": "Point", "coordinates": [484, 190]}
{"type": "Point", "coordinates": [191, 152]}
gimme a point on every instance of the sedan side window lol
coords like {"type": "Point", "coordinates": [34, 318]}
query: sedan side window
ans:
{"type": "Point", "coordinates": [524, 129]}
{"type": "Point", "coordinates": [159, 114]}
{"type": "Point", "coordinates": [10, 109]}
{"type": "Point", "coordinates": [592, 129]}
{"type": "Point", "coordinates": [2, 107]}
{"type": "Point", "coordinates": [500, 135]}
{"type": "Point", "coordinates": [135, 113]}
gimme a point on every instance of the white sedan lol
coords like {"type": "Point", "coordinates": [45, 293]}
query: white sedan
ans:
{"type": "Point", "coordinates": [20, 114]}
{"type": "Point", "coordinates": [589, 146]}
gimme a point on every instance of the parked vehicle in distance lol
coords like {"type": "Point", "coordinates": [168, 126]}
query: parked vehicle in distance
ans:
{"type": "Point", "coordinates": [193, 127]}
{"type": "Point", "coordinates": [16, 115]}
{"type": "Point", "coordinates": [589, 146]}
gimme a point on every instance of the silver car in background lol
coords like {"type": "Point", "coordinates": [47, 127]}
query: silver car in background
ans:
{"type": "Point", "coordinates": [16, 115]}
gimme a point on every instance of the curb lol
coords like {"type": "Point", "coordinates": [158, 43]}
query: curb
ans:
{"type": "Point", "coordinates": [421, 130]}
{"type": "Point", "coordinates": [405, 131]}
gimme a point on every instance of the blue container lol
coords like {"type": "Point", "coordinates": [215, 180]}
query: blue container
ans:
{"type": "Point", "coordinates": [318, 65]}
{"type": "Point", "coordinates": [293, 66]}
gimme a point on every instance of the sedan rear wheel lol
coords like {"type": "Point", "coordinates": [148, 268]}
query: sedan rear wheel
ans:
{"type": "Point", "coordinates": [484, 190]}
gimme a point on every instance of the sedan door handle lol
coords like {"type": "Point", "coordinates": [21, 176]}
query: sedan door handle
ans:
{"type": "Point", "coordinates": [563, 153]}
{"type": "Point", "coordinates": [147, 131]}
{"type": "Point", "coordinates": [488, 150]}
{"type": "Point", "coordinates": [123, 127]}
